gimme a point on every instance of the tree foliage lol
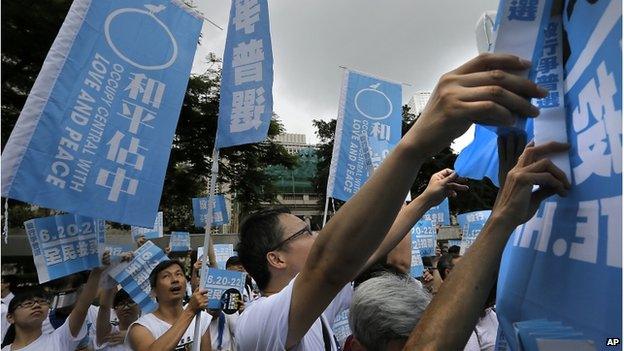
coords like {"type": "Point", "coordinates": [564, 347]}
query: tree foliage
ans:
{"type": "Point", "coordinates": [29, 28]}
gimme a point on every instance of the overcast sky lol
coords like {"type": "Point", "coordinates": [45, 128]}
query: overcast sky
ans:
{"type": "Point", "coordinates": [403, 40]}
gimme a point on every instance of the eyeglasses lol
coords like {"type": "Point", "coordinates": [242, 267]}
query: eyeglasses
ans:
{"type": "Point", "coordinates": [305, 230]}
{"type": "Point", "coordinates": [125, 304]}
{"type": "Point", "coordinates": [31, 303]}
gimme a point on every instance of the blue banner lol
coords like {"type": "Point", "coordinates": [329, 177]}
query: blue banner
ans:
{"type": "Point", "coordinates": [116, 250]}
{"type": "Point", "coordinates": [180, 241]}
{"type": "Point", "coordinates": [471, 224]}
{"type": "Point", "coordinates": [65, 244]}
{"type": "Point", "coordinates": [417, 267]}
{"type": "Point", "coordinates": [149, 233]}
{"type": "Point", "coordinates": [134, 276]}
{"type": "Point", "coordinates": [222, 253]}
{"type": "Point", "coordinates": [341, 328]}
{"type": "Point", "coordinates": [424, 237]}
{"type": "Point", "coordinates": [439, 214]}
{"type": "Point", "coordinates": [565, 264]}
{"type": "Point", "coordinates": [95, 133]}
{"type": "Point", "coordinates": [220, 280]}
{"type": "Point", "coordinates": [200, 211]}
{"type": "Point", "coordinates": [246, 103]}
{"type": "Point", "coordinates": [367, 129]}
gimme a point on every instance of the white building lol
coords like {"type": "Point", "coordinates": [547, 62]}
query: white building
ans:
{"type": "Point", "coordinates": [418, 102]}
{"type": "Point", "coordinates": [292, 142]}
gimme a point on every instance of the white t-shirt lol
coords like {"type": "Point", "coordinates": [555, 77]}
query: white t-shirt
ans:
{"type": "Point", "coordinates": [119, 347]}
{"type": "Point", "coordinates": [158, 327]}
{"type": "Point", "coordinates": [4, 309]}
{"type": "Point", "coordinates": [483, 337]}
{"type": "Point", "coordinates": [228, 342]}
{"type": "Point", "coordinates": [264, 323]}
{"type": "Point", "coordinates": [59, 340]}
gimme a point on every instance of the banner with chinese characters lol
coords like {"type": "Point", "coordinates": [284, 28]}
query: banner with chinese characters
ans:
{"type": "Point", "coordinates": [471, 224]}
{"type": "Point", "coordinates": [223, 252]}
{"type": "Point", "coordinates": [95, 133]}
{"type": "Point", "coordinates": [439, 214]}
{"type": "Point", "coordinates": [180, 241]}
{"type": "Point", "coordinates": [341, 328]}
{"type": "Point", "coordinates": [417, 266]}
{"type": "Point", "coordinates": [218, 281]}
{"type": "Point", "coordinates": [134, 276]}
{"type": "Point", "coordinates": [565, 264]}
{"type": "Point", "coordinates": [519, 30]}
{"type": "Point", "coordinates": [219, 213]}
{"type": "Point", "coordinates": [116, 250]}
{"type": "Point", "coordinates": [367, 129]}
{"type": "Point", "coordinates": [149, 233]}
{"type": "Point", "coordinates": [246, 103]}
{"type": "Point", "coordinates": [424, 237]}
{"type": "Point", "coordinates": [65, 244]}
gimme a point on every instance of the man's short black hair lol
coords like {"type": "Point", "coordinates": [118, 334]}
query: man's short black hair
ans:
{"type": "Point", "coordinates": [29, 294]}
{"type": "Point", "coordinates": [233, 261]}
{"type": "Point", "coordinates": [121, 296]}
{"type": "Point", "coordinates": [454, 249]}
{"type": "Point", "coordinates": [446, 261]}
{"type": "Point", "coordinates": [259, 232]}
{"type": "Point", "coordinates": [161, 267]}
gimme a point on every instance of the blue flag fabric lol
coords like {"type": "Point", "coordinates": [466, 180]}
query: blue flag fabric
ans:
{"type": "Point", "coordinates": [471, 224]}
{"type": "Point", "coordinates": [180, 241]}
{"type": "Point", "coordinates": [95, 133]}
{"type": "Point", "coordinates": [439, 214]}
{"type": "Point", "coordinates": [424, 238]}
{"type": "Point", "coordinates": [246, 103]}
{"type": "Point", "coordinates": [65, 244]}
{"type": "Point", "coordinates": [565, 264]}
{"type": "Point", "coordinates": [367, 129]}
{"type": "Point", "coordinates": [200, 211]}
{"type": "Point", "coordinates": [149, 233]}
{"type": "Point", "coordinates": [220, 280]}
{"type": "Point", "coordinates": [134, 276]}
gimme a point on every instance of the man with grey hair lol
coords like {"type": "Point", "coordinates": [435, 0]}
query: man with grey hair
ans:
{"type": "Point", "coordinates": [384, 311]}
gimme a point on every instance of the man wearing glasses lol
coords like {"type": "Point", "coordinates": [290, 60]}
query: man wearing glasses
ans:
{"type": "Point", "coordinates": [301, 275]}
{"type": "Point", "coordinates": [111, 337]}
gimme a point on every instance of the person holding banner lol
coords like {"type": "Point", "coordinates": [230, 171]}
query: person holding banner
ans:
{"type": "Point", "coordinates": [301, 275]}
{"type": "Point", "coordinates": [459, 303]}
{"type": "Point", "coordinates": [171, 326]}
{"type": "Point", "coordinates": [27, 311]}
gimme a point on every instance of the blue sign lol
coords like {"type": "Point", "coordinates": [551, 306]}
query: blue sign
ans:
{"type": "Point", "coordinates": [220, 280]}
{"type": "Point", "coordinates": [149, 233]}
{"type": "Point", "coordinates": [367, 129]}
{"type": "Point", "coordinates": [116, 251]}
{"type": "Point", "coordinates": [246, 103]}
{"type": "Point", "coordinates": [471, 224]}
{"type": "Point", "coordinates": [424, 238]}
{"type": "Point", "coordinates": [65, 244]}
{"type": "Point", "coordinates": [134, 276]}
{"type": "Point", "coordinates": [578, 238]}
{"type": "Point", "coordinates": [95, 133]}
{"type": "Point", "coordinates": [439, 214]}
{"type": "Point", "coordinates": [223, 252]}
{"type": "Point", "coordinates": [341, 328]}
{"type": "Point", "coordinates": [417, 267]}
{"type": "Point", "coordinates": [180, 241]}
{"type": "Point", "coordinates": [454, 243]}
{"type": "Point", "coordinates": [200, 211]}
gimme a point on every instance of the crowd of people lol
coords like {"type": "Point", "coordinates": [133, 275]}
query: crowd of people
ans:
{"type": "Point", "coordinates": [300, 280]}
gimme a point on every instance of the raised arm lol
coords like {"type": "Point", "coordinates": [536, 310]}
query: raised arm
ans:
{"type": "Point", "coordinates": [142, 340]}
{"type": "Point", "coordinates": [478, 91]}
{"type": "Point", "coordinates": [453, 313]}
{"type": "Point", "coordinates": [89, 291]}
{"type": "Point", "coordinates": [103, 326]}
{"type": "Point", "coordinates": [441, 185]}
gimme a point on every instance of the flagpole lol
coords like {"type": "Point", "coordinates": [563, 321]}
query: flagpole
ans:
{"type": "Point", "coordinates": [325, 212]}
{"type": "Point", "coordinates": [209, 220]}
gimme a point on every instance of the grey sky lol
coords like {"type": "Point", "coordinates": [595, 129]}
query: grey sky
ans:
{"type": "Point", "coordinates": [408, 41]}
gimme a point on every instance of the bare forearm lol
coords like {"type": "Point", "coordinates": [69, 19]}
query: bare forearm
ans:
{"type": "Point", "coordinates": [453, 313]}
{"type": "Point", "coordinates": [350, 238]}
{"type": "Point", "coordinates": [89, 291]}
{"type": "Point", "coordinates": [405, 220]}
{"type": "Point", "coordinates": [103, 326]}
{"type": "Point", "coordinates": [170, 339]}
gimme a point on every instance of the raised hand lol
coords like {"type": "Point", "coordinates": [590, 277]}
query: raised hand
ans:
{"type": "Point", "coordinates": [443, 184]}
